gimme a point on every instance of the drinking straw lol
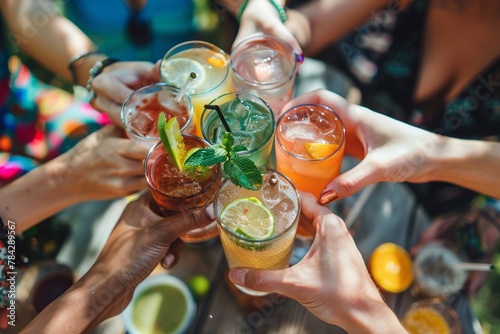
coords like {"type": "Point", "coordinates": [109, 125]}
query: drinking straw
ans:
{"type": "Point", "coordinates": [470, 266]}
{"type": "Point", "coordinates": [185, 86]}
{"type": "Point", "coordinates": [221, 116]}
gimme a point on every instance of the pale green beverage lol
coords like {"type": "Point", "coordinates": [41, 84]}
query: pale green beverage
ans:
{"type": "Point", "coordinates": [250, 120]}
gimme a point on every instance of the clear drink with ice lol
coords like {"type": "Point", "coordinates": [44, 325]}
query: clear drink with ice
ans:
{"type": "Point", "coordinates": [310, 141]}
{"type": "Point", "coordinates": [251, 122]}
{"type": "Point", "coordinates": [265, 66]}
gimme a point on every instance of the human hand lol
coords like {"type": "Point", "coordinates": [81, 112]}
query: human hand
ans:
{"type": "Point", "coordinates": [103, 165]}
{"type": "Point", "coordinates": [331, 280]}
{"type": "Point", "coordinates": [137, 244]}
{"type": "Point", "coordinates": [117, 81]}
{"type": "Point", "coordinates": [260, 17]}
{"type": "Point", "coordinates": [389, 150]}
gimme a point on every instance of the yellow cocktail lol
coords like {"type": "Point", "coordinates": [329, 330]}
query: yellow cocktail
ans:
{"type": "Point", "coordinates": [257, 228]}
{"type": "Point", "coordinates": [211, 65]}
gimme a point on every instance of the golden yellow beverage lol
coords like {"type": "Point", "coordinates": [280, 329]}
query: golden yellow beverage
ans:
{"type": "Point", "coordinates": [431, 316]}
{"type": "Point", "coordinates": [279, 197]}
{"type": "Point", "coordinates": [211, 65]}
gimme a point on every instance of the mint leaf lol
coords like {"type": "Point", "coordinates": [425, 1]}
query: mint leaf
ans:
{"type": "Point", "coordinates": [228, 141]}
{"type": "Point", "coordinates": [206, 157]}
{"type": "Point", "coordinates": [243, 172]}
{"type": "Point", "coordinates": [239, 148]}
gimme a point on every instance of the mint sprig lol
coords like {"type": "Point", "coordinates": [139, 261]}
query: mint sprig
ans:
{"type": "Point", "coordinates": [240, 170]}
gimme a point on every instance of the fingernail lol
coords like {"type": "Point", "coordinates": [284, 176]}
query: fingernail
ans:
{"type": "Point", "coordinates": [168, 261]}
{"type": "Point", "coordinates": [300, 58]}
{"type": "Point", "coordinates": [237, 276]}
{"type": "Point", "coordinates": [328, 196]}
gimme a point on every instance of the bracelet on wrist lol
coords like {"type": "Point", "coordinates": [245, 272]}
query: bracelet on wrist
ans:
{"type": "Point", "coordinates": [97, 69]}
{"type": "Point", "coordinates": [280, 9]}
{"type": "Point", "coordinates": [76, 58]}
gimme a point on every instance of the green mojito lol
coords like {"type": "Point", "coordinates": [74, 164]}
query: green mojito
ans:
{"type": "Point", "coordinates": [250, 120]}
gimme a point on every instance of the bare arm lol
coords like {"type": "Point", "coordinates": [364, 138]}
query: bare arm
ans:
{"type": "Point", "coordinates": [48, 37]}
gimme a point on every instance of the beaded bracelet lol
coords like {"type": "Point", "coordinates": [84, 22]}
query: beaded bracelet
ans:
{"type": "Point", "coordinates": [74, 59]}
{"type": "Point", "coordinates": [95, 71]}
{"type": "Point", "coordinates": [279, 8]}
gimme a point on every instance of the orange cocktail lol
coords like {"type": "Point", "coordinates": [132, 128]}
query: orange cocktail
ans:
{"type": "Point", "coordinates": [310, 141]}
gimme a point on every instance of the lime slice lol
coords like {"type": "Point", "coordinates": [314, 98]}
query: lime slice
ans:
{"type": "Point", "coordinates": [249, 218]}
{"type": "Point", "coordinates": [171, 137]}
{"type": "Point", "coordinates": [176, 71]}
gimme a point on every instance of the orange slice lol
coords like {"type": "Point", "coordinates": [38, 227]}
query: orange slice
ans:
{"type": "Point", "coordinates": [216, 60]}
{"type": "Point", "coordinates": [320, 150]}
{"type": "Point", "coordinates": [391, 267]}
{"type": "Point", "coordinates": [425, 320]}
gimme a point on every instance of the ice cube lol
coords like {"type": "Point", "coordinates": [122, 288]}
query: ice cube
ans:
{"type": "Point", "coordinates": [141, 122]}
{"type": "Point", "coordinates": [285, 212]}
{"type": "Point", "coordinates": [300, 130]}
{"type": "Point", "coordinates": [325, 126]}
{"type": "Point", "coordinates": [257, 122]}
{"type": "Point", "coordinates": [244, 138]}
{"type": "Point", "coordinates": [267, 66]}
{"type": "Point", "coordinates": [238, 109]}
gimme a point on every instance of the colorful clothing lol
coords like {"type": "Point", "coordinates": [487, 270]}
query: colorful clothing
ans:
{"type": "Point", "coordinates": [106, 22]}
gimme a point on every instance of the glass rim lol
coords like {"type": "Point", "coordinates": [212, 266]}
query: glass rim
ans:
{"type": "Point", "coordinates": [218, 172]}
{"type": "Point", "coordinates": [270, 83]}
{"type": "Point", "coordinates": [342, 141]}
{"type": "Point", "coordinates": [255, 149]}
{"type": "Point", "coordinates": [201, 45]}
{"type": "Point", "coordinates": [267, 170]}
{"type": "Point", "coordinates": [143, 88]}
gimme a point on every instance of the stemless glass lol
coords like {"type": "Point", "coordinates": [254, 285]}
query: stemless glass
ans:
{"type": "Point", "coordinates": [251, 121]}
{"type": "Point", "coordinates": [310, 141]}
{"type": "Point", "coordinates": [174, 191]}
{"type": "Point", "coordinates": [140, 112]}
{"type": "Point", "coordinates": [265, 66]}
{"type": "Point", "coordinates": [281, 197]}
{"type": "Point", "coordinates": [211, 65]}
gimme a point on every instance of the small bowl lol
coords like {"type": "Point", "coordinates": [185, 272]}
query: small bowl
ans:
{"type": "Point", "coordinates": [156, 300]}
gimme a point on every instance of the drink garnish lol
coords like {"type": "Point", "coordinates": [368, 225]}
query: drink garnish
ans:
{"type": "Point", "coordinates": [171, 137]}
{"type": "Point", "coordinates": [240, 170]}
{"type": "Point", "coordinates": [249, 218]}
{"type": "Point", "coordinates": [320, 150]}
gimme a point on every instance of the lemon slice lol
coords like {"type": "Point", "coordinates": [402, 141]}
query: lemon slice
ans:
{"type": "Point", "coordinates": [320, 150]}
{"type": "Point", "coordinates": [171, 137]}
{"type": "Point", "coordinates": [176, 71]}
{"type": "Point", "coordinates": [249, 218]}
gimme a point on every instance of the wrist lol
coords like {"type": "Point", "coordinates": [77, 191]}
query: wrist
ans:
{"type": "Point", "coordinates": [369, 315]}
{"type": "Point", "coordinates": [80, 65]}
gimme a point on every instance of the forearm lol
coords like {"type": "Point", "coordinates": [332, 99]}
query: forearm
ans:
{"type": "Point", "coordinates": [330, 20]}
{"type": "Point", "coordinates": [91, 300]}
{"type": "Point", "coordinates": [52, 43]}
{"type": "Point", "coordinates": [37, 195]}
{"type": "Point", "coordinates": [471, 164]}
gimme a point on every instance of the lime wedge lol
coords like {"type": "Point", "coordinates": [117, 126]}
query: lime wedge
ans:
{"type": "Point", "coordinates": [175, 71]}
{"type": "Point", "coordinates": [249, 218]}
{"type": "Point", "coordinates": [171, 137]}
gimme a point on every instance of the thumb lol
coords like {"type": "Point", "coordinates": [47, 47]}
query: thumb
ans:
{"type": "Point", "coordinates": [351, 182]}
{"type": "Point", "coordinates": [259, 280]}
